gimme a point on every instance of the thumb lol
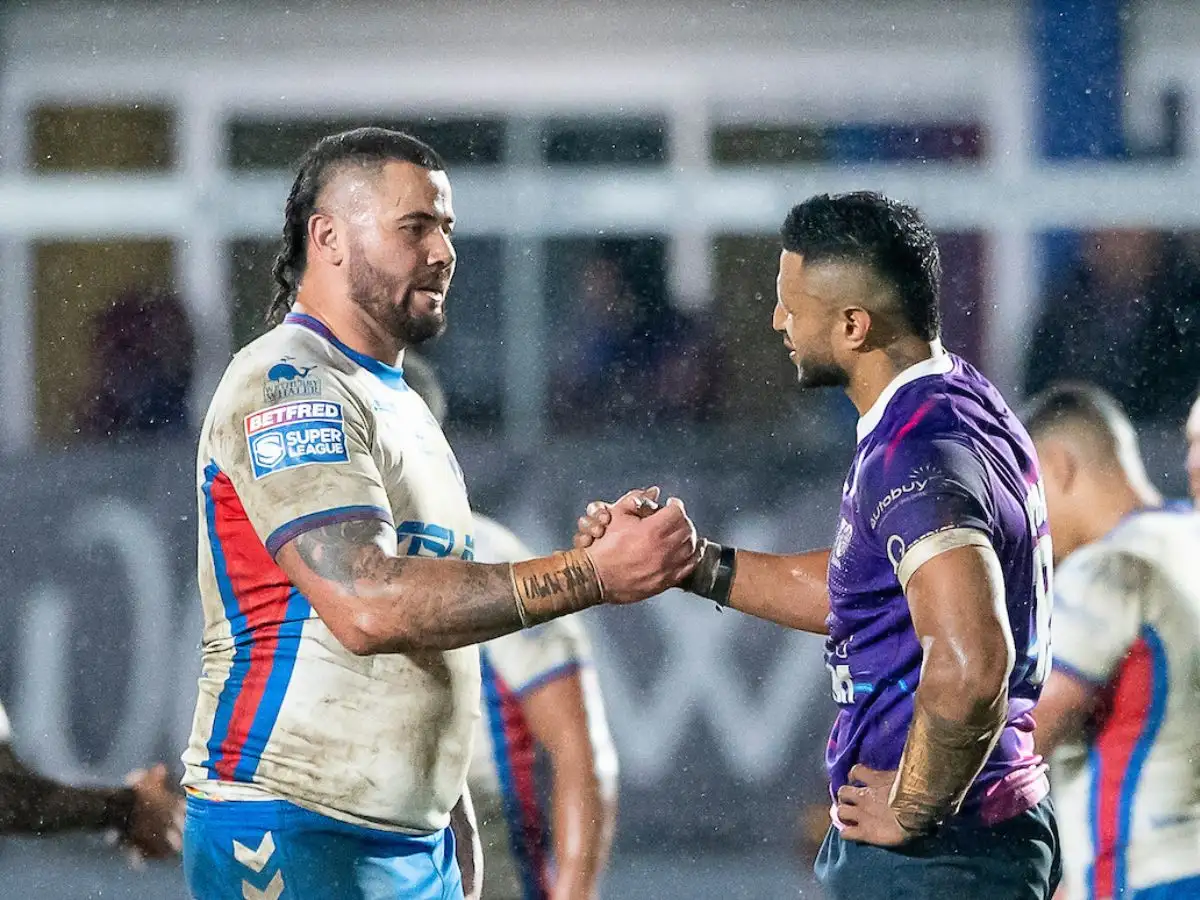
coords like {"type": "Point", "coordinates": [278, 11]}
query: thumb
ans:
{"type": "Point", "coordinates": [637, 501]}
{"type": "Point", "coordinates": [866, 775]}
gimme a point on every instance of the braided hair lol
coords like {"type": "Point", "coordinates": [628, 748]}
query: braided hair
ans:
{"type": "Point", "coordinates": [331, 154]}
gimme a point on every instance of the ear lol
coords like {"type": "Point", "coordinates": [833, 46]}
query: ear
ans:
{"type": "Point", "coordinates": [325, 238]}
{"type": "Point", "coordinates": [1059, 463]}
{"type": "Point", "coordinates": [853, 327]}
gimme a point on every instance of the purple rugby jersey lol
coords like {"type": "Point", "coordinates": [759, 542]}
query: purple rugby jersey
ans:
{"type": "Point", "coordinates": [940, 449]}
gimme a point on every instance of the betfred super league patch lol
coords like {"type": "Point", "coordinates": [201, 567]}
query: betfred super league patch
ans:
{"type": "Point", "coordinates": [296, 434]}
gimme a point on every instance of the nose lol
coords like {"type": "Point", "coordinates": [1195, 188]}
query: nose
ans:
{"type": "Point", "coordinates": [779, 317]}
{"type": "Point", "coordinates": [441, 249]}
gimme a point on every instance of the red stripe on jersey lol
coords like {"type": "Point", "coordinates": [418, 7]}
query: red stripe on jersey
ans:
{"type": "Point", "coordinates": [261, 590]}
{"type": "Point", "coordinates": [1122, 727]}
{"type": "Point", "coordinates": [519, 747]}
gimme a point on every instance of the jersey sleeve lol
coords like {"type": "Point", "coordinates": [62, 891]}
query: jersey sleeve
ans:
{"type": "Point", "coordinates": [1097, 611]}
{"type": "Point", "coordinates": [918, 488]}
{"type": "Point", "coordinates": [298, 465]}
{"type": "Point", "coordinates": [5, 728]}
{"type": "Point", "coordinates": [526, 660]}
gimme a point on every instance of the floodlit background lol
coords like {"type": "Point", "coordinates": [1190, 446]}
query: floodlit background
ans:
{"type": "Point", "coordinates": [620, 173]}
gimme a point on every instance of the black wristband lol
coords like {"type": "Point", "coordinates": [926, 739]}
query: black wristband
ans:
{"type": "Point", "coordinates": [723, 584]}
{"type": "Point", "coordinates": [713, 576]}
{"type": "Point", "coordinates": [118, 810]}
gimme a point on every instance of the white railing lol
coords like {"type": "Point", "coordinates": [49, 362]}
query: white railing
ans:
{"type": "Point", "coordinates": [1008, 196]}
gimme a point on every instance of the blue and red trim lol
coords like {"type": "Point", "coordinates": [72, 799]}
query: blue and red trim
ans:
{"type": "Point", "coordinates": [293, 529]}
{"type": "Point", "coordinates": [1138, 707]}
{"type": "Point", "coordinates": [565, 670]}
{"type": "Point", "coordinates": [513, 752]}
{"type": "Point", "coordinates": [266, 618]}
{"type": "Point", "coordinates": [391, 376]}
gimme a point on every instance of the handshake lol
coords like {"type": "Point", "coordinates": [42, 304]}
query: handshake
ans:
{"type": "Point", "coordinates": [641, 548]}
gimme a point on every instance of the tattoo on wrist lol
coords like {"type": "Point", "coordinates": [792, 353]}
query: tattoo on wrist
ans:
{"type": "Point", "coordinates": [553, 586]}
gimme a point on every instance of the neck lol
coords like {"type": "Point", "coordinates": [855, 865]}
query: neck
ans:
{"type": "Point", "coordinates": [351, 324]}
{"type": "Point", "coordinates": [877, 369]}
{"type": "Point", "coordinates": [1111, 501]}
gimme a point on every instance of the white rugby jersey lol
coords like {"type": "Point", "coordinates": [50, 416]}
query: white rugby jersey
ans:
{"type": "Point", "coordinates": [1127, 620]}
{"type": "Point", "coordinates": [503, 764]}
{"type": "Point", "coordinates": [5, 730]}
{"type": "Point", "coordinates": [304, 432]}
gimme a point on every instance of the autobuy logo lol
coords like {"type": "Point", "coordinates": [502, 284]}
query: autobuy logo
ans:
{"type": "Point", "coordinates": [296, 434]}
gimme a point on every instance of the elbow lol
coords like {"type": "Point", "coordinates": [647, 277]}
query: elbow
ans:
{"type": "Point", "coordinates": [973, 682]}
{"type": "Point", "coordinates": [363, 633]}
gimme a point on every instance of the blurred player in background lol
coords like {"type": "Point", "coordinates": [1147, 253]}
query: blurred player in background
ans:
{"type": "Point", "coordinates": [1121, 708]}
{"type": "Point", "coordinates": [935, 592]}
{"type": "Point", "coordinates": [340, 685]}
{"type": "Point", "coordinates": [539, 690]}
{"type": "Point", "coordinates": [1192, 434]}
{"type": "Point", "coordinates": [146, 815]}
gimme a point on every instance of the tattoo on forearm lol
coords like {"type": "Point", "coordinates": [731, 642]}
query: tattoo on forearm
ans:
{"type": "Point", "coordinates": [554, 586]}
{"type": "Point", "coordinates": [451, 604]}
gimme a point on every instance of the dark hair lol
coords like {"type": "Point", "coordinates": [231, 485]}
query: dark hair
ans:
{"type": "Point", "coordinates": [1074, 404]}
{"type": "Point", "coordinates": [328, 156]}
{"type": "Point", "coordinates": [890, 237]}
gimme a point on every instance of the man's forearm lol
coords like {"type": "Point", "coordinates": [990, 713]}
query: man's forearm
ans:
{"type": "Point", "coordinates": [789, 590]}
{"type": "Point", "coordinates": [584, 814]}
{"type": "Point", "coordinates": [952, 734]}
{"type": "Point", "coordinates": [378, 602]}
{"type": "Point", "coordinates": [31, 804]}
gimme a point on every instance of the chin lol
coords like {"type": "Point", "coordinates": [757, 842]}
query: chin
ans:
{"type": "Point", "coordinates": [820, 377]}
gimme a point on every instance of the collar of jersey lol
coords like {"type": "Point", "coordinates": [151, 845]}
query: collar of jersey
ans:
{"type": "Point", "coordinates": [391, 376]}
{"type": "Point", "coordinates": [939, 364]}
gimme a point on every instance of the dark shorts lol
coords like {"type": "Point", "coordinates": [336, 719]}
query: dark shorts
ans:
{"type": "Point", "coordinates": [1019, 859]}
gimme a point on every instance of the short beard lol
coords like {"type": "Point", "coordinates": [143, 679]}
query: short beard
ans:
{"type": "Point", "coordinates": [822, 375]}
{"type": "Point", "coordinates": [373, 291]}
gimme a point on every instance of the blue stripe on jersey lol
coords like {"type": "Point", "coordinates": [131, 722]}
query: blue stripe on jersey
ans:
{"type": "Point", "coordinates": [1089, 877]}
{"type": "Point", "coordinates": [1065, 668]}
{"type": "Point", "coordinates": [1141, 750]}
{"type": "Point", "coordinates": [293, 529]}
{"type": "Point", "coordinates": [494, 709]}
{"type": "Point", "coordinates": [287, 645]}
{"type": "Point", "coordinates": [390, 376]}
{"type": "Point", "coordinates": [237, 624]}
{"type": "Point", "coordinates": [560, 671]}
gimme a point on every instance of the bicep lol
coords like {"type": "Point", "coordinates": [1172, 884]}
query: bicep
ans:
{"type": "Point", "coordinates": [340, 567]}
{"type": "Point", "coordinates": [1062, 710]}
{"type": "Point", "coordinates": [956, 597]}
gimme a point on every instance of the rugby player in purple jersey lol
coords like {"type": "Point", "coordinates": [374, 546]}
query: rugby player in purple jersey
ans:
{"type": "Point", "coordinates": [935, 593]}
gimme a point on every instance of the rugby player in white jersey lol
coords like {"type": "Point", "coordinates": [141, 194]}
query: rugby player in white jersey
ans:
{"type": "Point", "coordinates": [1192, 434]}
{"type": "Point", "coordinates": [340, 688]}
{"type": "Point", "coordinates": [1120, 711]}
{"type": "Point", "coordinates": [539, 691]}
{"type": "Point", "coordinates": [145, 815]}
